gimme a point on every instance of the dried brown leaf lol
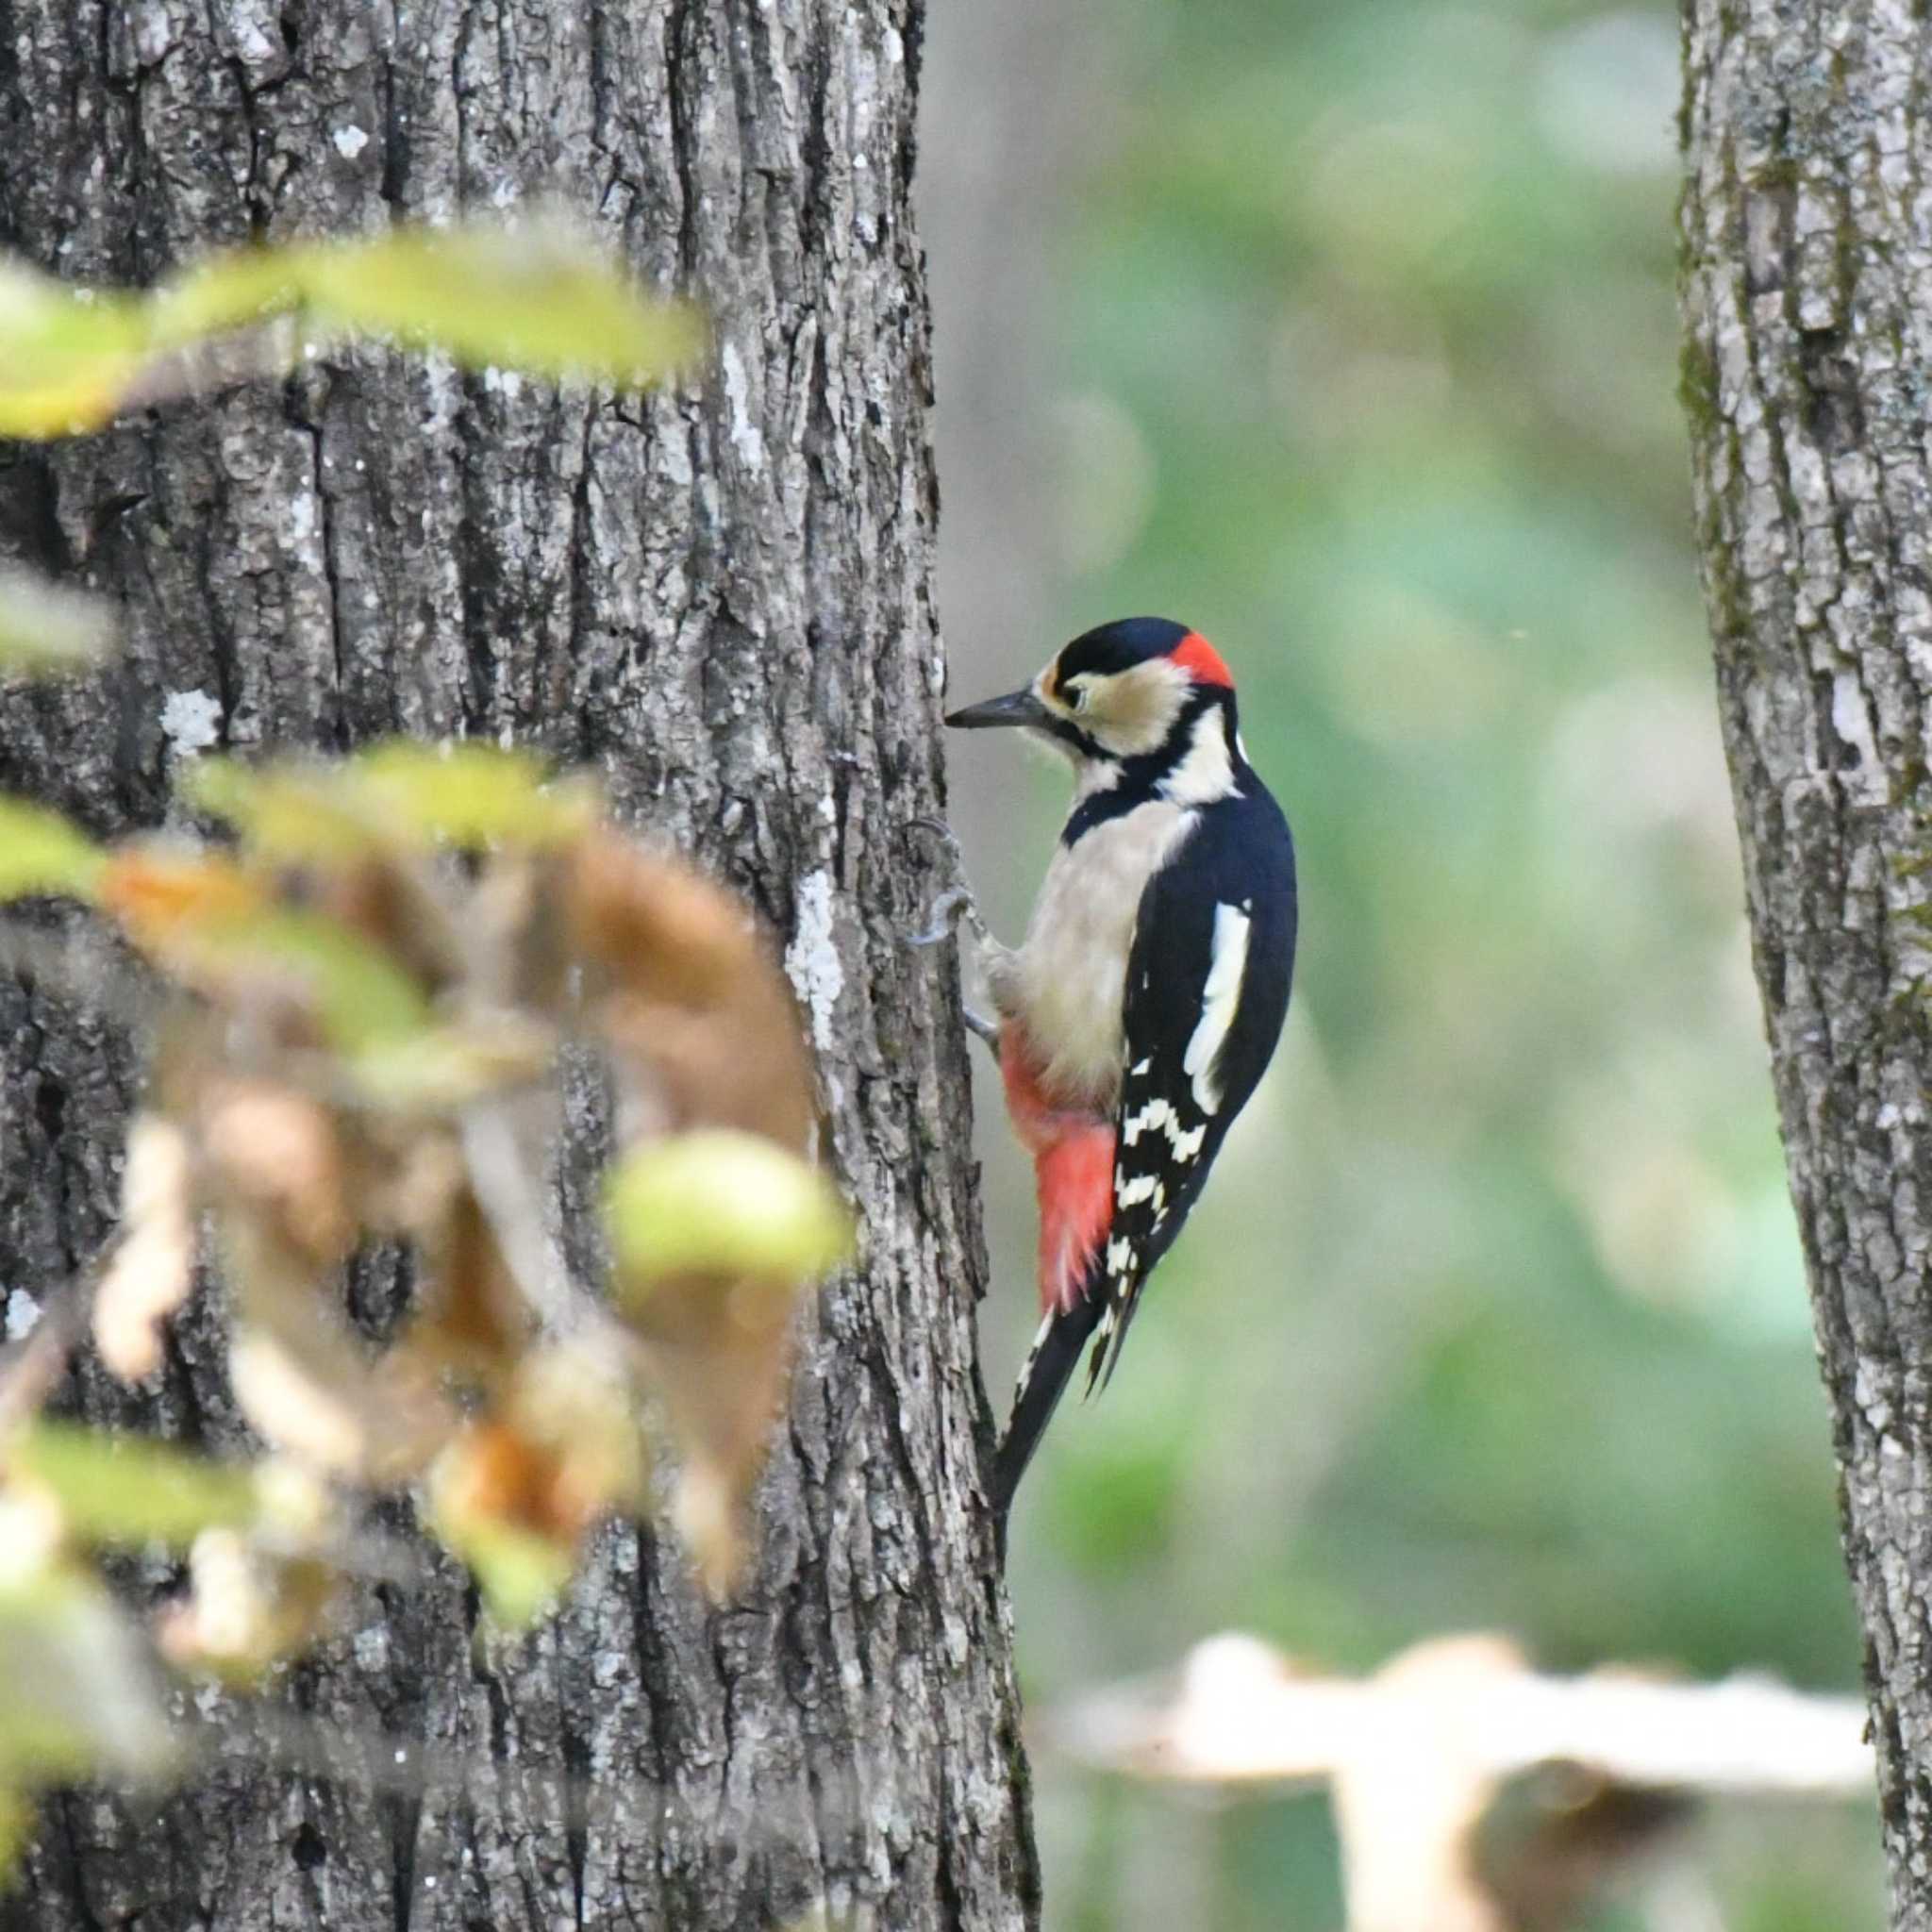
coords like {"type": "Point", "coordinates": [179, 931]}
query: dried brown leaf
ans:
{"type": "Point", "coordinates": [153, 1267]}
{"type": "Point", "coordinates": [563, 1449]}
{"type": "Point", "coordinates": [310, 1388]}
{"type": "Point", "coordinates": [309, 1416]}
{"type": "Point", "coordinates": [718, 1352]}
{"type": "Point", "coordinates": [693, 993]}
{"type": "Point", "coordinates": [279, 1156]}
{"type": "Point", "coordinates": [247, 1607]}
{"type": "Point", "coordinates": [474, 1318]}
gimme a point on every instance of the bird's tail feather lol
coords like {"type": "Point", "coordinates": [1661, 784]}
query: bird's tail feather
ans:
{"type": "Point", "coordinates": [1054, 1356]}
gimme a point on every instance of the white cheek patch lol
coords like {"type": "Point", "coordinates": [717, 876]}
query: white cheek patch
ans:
{"type": "Point", "coordinates": [1220, 1000]}
{"type": "Point", "coordinates": [1133, 712]}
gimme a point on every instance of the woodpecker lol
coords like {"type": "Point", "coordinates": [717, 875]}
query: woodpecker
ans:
{"type": "Point", "coordinates": [1143, 1006]}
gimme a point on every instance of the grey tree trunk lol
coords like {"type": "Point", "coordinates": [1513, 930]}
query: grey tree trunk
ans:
{"type": "Point", "coordinates": [1808, 376]}
{"type": "Point", "coordinates": [724, 602]}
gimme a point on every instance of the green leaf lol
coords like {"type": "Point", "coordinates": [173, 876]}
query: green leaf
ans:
{"type": "Point", "coordinates": [16, 1832]}
{"type": "Point", "coordinates": [41, 851]}
{"type": "Point", "coordinates": [114, 1489]}
{"type": "Point", "coordinates": [469, 793]}
{"type": "Point", "coordinates": [445, 1067]}
{"type": "Point", "coordinates": [720, 1202]}
{"type": "Point", "coordinates": [67, 355]}
{"type": "Point", "coordinates": [395, 794]}
{"type": "Point", "coordinates": [234, 289]}
{"type": "Point", "coordinates": [520, 1574]}
{"type": "Point", "coordinates": [364, 998]}
{"type": "Point", "coordinates": [46, 628]}
{"type": "Point", "coordinates": [536, 295]}
{"type": "Point", "coordinates": [292, 809]}
{"type": "Point", "coordinates": [533, 296]}
{"type": "Point", "coordinates": [210, 925]}
{"type": "Point", "coordinates": [79, 1697]}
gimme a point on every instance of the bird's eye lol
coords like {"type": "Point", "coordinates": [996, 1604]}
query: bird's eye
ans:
{"type": "Point", "coordinates": [1080, 694]}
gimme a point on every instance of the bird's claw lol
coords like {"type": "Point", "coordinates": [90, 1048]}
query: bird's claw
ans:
{"type": "Point", "coordinates": [955, 906]}
{"type": "Point", "coordinates": [948, 909]}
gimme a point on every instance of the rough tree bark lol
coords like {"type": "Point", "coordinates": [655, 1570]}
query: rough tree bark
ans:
{"type": "Point", "coordinates": [723, 601]}
{"type": "Point", "coordinates": [1808, 376]}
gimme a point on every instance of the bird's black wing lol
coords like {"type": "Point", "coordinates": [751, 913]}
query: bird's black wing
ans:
{"type": "Point", "coordinates": [1208, 985]}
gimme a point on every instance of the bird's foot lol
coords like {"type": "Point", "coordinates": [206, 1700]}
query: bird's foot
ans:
{"type": "Point", "coordinates": [953, 909]}
{"type": "Point", "coordinates": [956, 905]}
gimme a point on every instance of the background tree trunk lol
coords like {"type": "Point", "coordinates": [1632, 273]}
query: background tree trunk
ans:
{"type": "Point", "coordinates": [1808, 376]}
{"type": "Point", "coordinates": [724, 602]}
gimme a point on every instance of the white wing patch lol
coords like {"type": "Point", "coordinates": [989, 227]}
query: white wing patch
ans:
{"type": "Point", "coordinates": [1220, 998]}
{"type": "Point", "coordinates": [1186, 1142]}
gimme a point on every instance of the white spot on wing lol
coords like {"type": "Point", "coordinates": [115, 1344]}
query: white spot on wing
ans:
{"type": "Point", "coordinates": [1220, 998]}
{"type": "Point", "coordinates": [1131, 1194]}
{"type": "Point", "coordinates": [1119, 1256]}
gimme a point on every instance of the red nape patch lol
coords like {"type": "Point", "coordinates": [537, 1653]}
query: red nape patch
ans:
{"type": "Point", "coordinates": [1201, 661]}
{"type": "Point", "coordinates": [1073, 1178]}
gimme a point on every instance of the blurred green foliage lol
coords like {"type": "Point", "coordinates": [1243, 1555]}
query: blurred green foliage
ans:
{"type": "Point", "coordinates": [1495, 1315]}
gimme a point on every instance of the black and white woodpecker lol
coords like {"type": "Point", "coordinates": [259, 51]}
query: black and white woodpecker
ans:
{"type": "Point", "coordinates": [1143, 1006]}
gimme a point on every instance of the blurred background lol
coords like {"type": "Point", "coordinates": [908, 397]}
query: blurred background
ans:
{"type": "Point", "coordinates": [1347, 335]}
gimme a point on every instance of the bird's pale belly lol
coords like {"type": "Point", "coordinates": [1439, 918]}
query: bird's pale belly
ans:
{"type": "Point", "coordinates": [1067, 982]}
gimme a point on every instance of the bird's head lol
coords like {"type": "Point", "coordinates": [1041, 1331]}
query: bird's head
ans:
{"type": "Point", "coordinates": [1133, 689]}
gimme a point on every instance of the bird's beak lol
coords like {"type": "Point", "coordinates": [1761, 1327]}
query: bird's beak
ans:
{"type": "Point", "coordinates": [1017, 708]}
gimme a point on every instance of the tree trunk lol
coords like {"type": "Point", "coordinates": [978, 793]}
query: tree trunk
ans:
{"type": "Point", "coordinates": [725, 603]}
{"type": "Point", "coordinates": [1808, 376]}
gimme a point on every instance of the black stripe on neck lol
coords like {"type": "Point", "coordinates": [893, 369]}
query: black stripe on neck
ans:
{"type": "Point", "coordinates": [1138, 780]}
